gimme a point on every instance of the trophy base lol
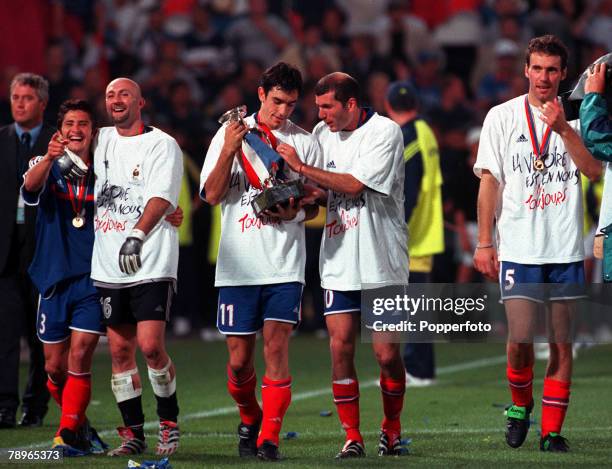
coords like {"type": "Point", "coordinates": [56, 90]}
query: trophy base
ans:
{"type": "Point", "coordinates": [279, 193]}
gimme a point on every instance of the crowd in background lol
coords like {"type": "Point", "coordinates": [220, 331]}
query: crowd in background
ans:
{"type": "Point", "coordinates": [195, 59]}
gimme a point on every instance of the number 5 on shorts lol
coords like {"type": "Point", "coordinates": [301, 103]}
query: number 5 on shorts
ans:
{"type": "Point", "coordinates": [509, 280]}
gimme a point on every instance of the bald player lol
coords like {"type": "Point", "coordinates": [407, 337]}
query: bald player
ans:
{"type": "Point", "coordinates": [138, 175]}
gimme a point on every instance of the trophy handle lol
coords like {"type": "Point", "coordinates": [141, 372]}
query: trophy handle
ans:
{"type": "Point", "coordinates": [236, 114]}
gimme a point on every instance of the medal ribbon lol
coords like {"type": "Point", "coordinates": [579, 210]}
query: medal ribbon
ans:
{"type": "Point", "coordinates": [538, 151]}
{"type": "Point", "coordinates": [77, 195]}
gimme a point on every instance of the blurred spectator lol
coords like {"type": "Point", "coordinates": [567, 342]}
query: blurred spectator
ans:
{"type": "Point", "coordinates": [496, 86]}
{"type": "Point", "coordinates": [460, 37]}
{"type": "Point", "coordinates": [187, 307]}
{"type": "Point", "coordinates": [259, 35]}
{"type": "Point", "coordinates": [465, 195]}
{"type": "Point", "coordinates": [363, 59]}
{"type": "Point", "coordinates": [403, 35]}
{"type": "Point", "coordinates": [185, 117]}
{"type": "Point", "coordinates": [364, 16]}
{"type": "Point", "coordinates": [596, 23]}
{"type": "Point", "coordinates": [59, 77]}
{"type": "Point", "coordinates": [546, 19]}
{"type": "Point", "coordinates": [507, 21]}
{"type": "Point", "coordinates": [157, 78]}
{"type": "Point", "coordinates": [127, 24]}
{"type": "Point", "coordinates": [150, 43]}
{"type": "Point", "coordinates": [453, 115]}
{"type": "Point", "coordinates": [228, 98]}
{"type": "Point", "coordinates": [376, 87]}
{"type": "Point", "coordinates": [318, 66]}
{"type": "Point", "coordinates": [451, 121]}
{"type": "Point", "coordinates": [205, 49]}
{"type": "Point", "coordinates": [311, 48]}
{"type": "Point", "coordinates": [248, 79]}
{"type": "Point", "coordinates": [333, 22]}
{"type": "Point", "coordinates": [427, 77]}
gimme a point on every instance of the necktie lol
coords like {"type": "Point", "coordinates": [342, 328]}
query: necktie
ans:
{"type": "Point", "coordinates": [26, 139]}
{"type": "Point", "coordinates": [24, 153]}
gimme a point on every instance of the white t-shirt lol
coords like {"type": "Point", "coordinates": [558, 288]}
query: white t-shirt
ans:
{"type": "Point", "coordinates": [365, 239]}
{"type": "Point", "coordinates": [130, 171]}
{"type": "Point", "coordinates": [258, 251]}
{"type": "Point", "coordinates": [539, 214]}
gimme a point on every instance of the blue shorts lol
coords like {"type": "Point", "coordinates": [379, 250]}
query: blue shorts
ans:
{"type": "Point", "coordinates": [546, 282]}
{"type": "Point", "coordinates": [243, 310]}
{"type": "Point", "coordinates": [73, 305]}
{"type": "Point", "coordinates": [337, 302]}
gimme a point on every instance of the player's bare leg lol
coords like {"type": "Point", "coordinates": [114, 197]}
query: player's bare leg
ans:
{"type": "Point", "coordinates": [241, 383]}
{"type": "Point", "coordinates": [276, 387]}
{"type": "Point", "coordinates": [162, 375]}
{"type": "Point", "coordinates": [393, 386]}
{"type": "Point", "coordinates": [342, 330]}
{"type": "Point", "coordinates": [127, 388]}
{"type": "Point", "coordinates": [555, 397]}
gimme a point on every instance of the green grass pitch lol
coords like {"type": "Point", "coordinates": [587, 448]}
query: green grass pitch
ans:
{"type": "Point", "coordinates": [458, 422]}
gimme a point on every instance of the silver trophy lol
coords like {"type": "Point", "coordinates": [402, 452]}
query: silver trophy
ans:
{"type": "Point", "coordinates": [276, 191]}
{"type": "Point", "coordinates": [71, 166]}
{"type": "Point", "coordinates": [236, 114]}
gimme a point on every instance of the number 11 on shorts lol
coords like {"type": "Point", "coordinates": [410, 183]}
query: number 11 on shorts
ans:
{"type": "Point", "coordinates": [229, 309]}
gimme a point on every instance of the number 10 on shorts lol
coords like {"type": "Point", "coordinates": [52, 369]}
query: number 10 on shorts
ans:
{"type": "Point", "coordinates": [227, 313]}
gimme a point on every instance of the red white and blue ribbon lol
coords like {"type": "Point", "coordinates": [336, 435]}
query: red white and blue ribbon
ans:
{"type": "Point", "coordinates": [259, 157]}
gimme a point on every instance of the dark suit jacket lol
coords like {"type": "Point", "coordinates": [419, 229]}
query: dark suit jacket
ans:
{"type": "Point", "coordinates": [9, 191]}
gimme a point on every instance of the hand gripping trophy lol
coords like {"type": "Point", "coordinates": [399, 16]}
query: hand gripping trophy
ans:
{"type": "Point", "coordinates": [263, 165]}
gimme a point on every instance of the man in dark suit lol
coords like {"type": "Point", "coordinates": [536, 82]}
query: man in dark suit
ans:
{"type": "Point", "coordinates": [25, 137]}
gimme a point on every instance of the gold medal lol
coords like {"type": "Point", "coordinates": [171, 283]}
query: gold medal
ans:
{"type": "Point", "coordinates": [538, 165]}
{"type": "Point", "coordinates": [78, 222]}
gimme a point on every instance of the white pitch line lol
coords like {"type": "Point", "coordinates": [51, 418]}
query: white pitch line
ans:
{"type": "Point", "coordinates": [409, 432]}
{"type": "Point", "coordinates": [300, 396]}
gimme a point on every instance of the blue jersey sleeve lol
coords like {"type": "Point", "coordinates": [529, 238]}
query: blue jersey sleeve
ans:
{"type": "Point", "coordinates": [33, 198]}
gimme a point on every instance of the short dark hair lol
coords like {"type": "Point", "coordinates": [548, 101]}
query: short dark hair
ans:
{"type": "Point", "coordinates": [75, 105]}
{"type": "Point", "coordinates": [38, 83]}
{"type": "Point", "coordinates": [547, 45]}
{"type": "Point", "coordinates": [283, 76]}
{"type": "Point", "coordinates": [343, 86]}
{"type": "Point", "coordinates": [402, 96]}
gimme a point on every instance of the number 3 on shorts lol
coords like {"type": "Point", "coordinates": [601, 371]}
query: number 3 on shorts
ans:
{"type": "Point", "coordinates": [509, 280]}
{"type": "Point", "coordinates": [229, 309]}
{"type": "Point", "coordinates": [42, 327]}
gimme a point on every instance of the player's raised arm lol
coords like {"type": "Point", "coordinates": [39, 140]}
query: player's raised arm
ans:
{"type": "Point", "coordinates": [36, 176]}
{"type": "Point", "coordinates": [217, 182]}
